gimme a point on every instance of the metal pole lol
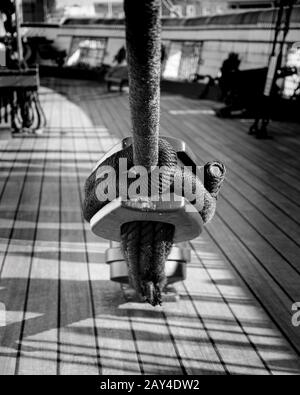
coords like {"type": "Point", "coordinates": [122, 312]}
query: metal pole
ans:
{"type": "Point", "coordinates": [289, 10]}
{"type": "Point", "coordinates": [18, 4]}
{"type": "Point", "coordinates": [45, 10]}
{"type": "Point", "coordinates": [279, 16]}
{"type": "Point", "coordinates": [110, 8]}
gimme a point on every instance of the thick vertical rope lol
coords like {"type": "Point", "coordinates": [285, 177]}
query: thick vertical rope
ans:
{"type": "Point", "coordinates": [146, 245]}
{"type": "Point", "coordinates": [143, 38]}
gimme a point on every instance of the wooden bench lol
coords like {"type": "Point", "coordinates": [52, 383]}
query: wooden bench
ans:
{"type": "Point", "coordinates": [117, 76]}
{"type": "Point", "coordinates": [19, 79]}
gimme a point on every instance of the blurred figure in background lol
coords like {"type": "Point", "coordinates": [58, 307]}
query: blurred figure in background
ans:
{"type": "Point", "coordinates": [120, 56]}
{"type": "Point", "coordinates": [8, 9]}
{"type": "Point", "coordinates": [228, 72]}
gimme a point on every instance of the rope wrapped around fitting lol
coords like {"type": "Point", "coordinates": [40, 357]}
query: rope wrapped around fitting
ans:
{"type": "Point", "coordinates": [146, 245]}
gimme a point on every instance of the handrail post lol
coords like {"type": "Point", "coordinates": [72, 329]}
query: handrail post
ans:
{"type": "Point", "coordinates": [18, 31]}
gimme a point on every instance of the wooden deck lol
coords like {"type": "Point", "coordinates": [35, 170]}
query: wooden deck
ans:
{"type": "Point", "coordinates": [64, 316]}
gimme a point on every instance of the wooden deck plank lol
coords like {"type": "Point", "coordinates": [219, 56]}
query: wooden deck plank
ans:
{"type": "Point", "coordinates": [270, 152]}
{"type": "Point", "coordinates": [19, 203]}
{"type": "Point", "coordinates": [198, 354]}
{"type": "Point", "coordinates": [275, 174]}
{"type": "Point", "coordinates": [9, 158]}
{"type": "Point", "coordinates": [38, 348]}
{"type": "Point", "coordinates": [234, 348]}
{"type": "Point", "coordinates": [78, 351]}
{"type": "Point", "coordinates": [264, 335]}
{"type": "Point", "coordinates": [236, 133]}
{"type": "Point", "coordinates": [280, 219]}
{"type": "Point", "coordinates": [285, 246]}
{"type": "Point", "coordinates": [273, 299]}
{"type": "Point", "coordinates": [200, 133]}
{"type": "Point", "coordinates": [38, 343]}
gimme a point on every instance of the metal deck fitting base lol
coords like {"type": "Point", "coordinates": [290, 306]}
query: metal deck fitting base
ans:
{"type": "Point", "coordinates": [179, 212]}
{"type": "Point", "coordinates": [169, 295]}
{"type": "Point", "coordinates": [175, 267]}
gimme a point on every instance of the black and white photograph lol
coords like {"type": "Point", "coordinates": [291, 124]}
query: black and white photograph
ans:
{"type": "Point", "coordinates": [149, 190]}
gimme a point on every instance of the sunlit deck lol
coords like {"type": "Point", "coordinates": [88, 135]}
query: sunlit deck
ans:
{"type": "Point", "coordinates": [64, 316]}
